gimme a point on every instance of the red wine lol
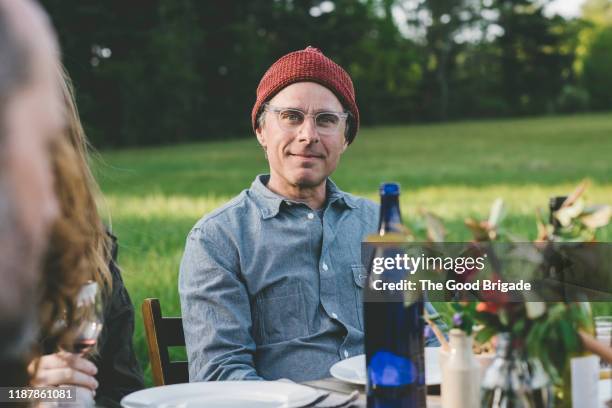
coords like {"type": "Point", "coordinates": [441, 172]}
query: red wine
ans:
{"type": "Point", "coordinates": [82, 346]}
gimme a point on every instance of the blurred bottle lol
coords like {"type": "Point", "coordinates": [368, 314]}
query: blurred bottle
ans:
{"type": "Point", "coordinates": [461, 373]}
{"type": "Point", "coordinates": [513, 380]}
{"type": "Point", "coordinates": [554, 204]}
{"type": "Point", "coordinates": [581, 373]}
{"type": "Point", "coordinates": [394, 324]}
{"type": "Point", "coordinates": [555, 260]}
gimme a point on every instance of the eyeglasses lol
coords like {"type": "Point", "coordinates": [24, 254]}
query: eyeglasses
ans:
{"type": "Point", "coordinates": [290, 119]}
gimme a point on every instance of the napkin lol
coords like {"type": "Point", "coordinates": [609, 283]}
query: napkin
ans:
{"type": "Point", "coordinates": [329, 399]}
{"type": "Point", "coordinates": [337, 400]}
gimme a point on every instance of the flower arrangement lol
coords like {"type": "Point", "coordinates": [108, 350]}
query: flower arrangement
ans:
{"type": "Point", "coordinates": [548, 331]}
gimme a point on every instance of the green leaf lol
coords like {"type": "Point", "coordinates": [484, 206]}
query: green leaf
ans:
{"type": "Point", "coordinates": [518, 327]}
{"type": "Point", "coordinates": [569, 336]}
{"type": "Point", "coordinates": [485, 334]}
{"type": "Point", "coordinates": [534, 339]}
{"type": "Point", "coordinates": [497, 213]}
{"type": "Point", "coordinates": [468, 324]}
{"type": "Point", "coordinates": [503, 317]}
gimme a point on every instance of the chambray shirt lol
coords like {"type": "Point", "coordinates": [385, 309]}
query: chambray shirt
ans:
{"type": "Point", "coordinates": [269, 289]}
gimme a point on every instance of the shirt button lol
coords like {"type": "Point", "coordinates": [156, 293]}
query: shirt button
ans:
{"type": "Point", "coordinates": [310, 216]}
{"type": "Point", "coordinates": [335, 316]}
{"type": "Point", "coordinates": [325, 268]}
{"type": "Point", "coordinates": [346, 353]}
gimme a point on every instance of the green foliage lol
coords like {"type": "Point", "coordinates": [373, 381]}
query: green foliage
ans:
{"type": "Point", "coordinates": [597, 70]}
{"type": "Point", "coordinates": [188, 70]}
{"type": "Point", "coordinates": [573, 99]}
{"type": "Point", "coordinates": [598, 11]}
{"type": "Point", "coordinates": [535, 63]}
{"type": "Point", "coordinates": [485, 334]}
{"type": "Point", "coordinates": [555, 337]}
{"type": "Point", "coordinates": [551, 336]}
{"type": "Point", "coordinates": [534, 324]}
{"type": "Point", "coordinates": [463, 316]}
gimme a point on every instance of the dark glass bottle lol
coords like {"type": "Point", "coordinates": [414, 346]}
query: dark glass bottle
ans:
{"type": "Point", "coordinates": [394, 340]}
{"type": "Point", "coordinates": [513, 380]}
{"type": "Point", "coordinates": [556, 263]}
{"type": "Point", "coordinates": [390, 219]}
{"type": "Point", "coordinates": [554, 204]}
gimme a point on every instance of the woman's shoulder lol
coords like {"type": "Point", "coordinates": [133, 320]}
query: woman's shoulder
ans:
{"type": "Point", "coordinates": [119, 297]}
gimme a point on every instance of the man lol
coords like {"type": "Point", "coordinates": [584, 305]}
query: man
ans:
{"type": "Point", "coordinates": [271, 283]}
{"type": "Point", "coordinates": [30, 117]}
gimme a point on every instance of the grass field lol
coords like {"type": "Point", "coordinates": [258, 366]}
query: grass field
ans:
{"type": "Point", "coordinates": [456, 170]}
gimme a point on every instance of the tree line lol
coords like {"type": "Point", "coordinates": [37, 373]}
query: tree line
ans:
{"type": "Point", "coordinates": [170, 71]}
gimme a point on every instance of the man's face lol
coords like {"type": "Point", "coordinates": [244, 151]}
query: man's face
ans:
{"type": "Point", "coordinates": [33, 118]}
{"type": "Point", "coordinates": [303, 157]}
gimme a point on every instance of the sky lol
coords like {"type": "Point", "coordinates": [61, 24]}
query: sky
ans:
{"type": "Point", "coordinates": [566, 8]}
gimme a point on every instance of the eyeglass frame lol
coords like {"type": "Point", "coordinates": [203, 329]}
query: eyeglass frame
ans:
{"type": "Point", "coordinates": [277, 109]}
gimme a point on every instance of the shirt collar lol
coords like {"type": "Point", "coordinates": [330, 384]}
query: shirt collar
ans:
{"type": "Point", "coordinates": [269, 202]}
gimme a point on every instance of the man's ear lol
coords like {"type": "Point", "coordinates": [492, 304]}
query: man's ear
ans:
{"type": "Point", "coordinates": [345, 145]}
{"type": "Point", "coordinates": [260, 137]}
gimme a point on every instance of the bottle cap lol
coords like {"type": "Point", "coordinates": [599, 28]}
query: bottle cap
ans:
{"type": "Point", "coordinates": [554, 204]}
{"type": "Point", "coordinates": [389, 189]}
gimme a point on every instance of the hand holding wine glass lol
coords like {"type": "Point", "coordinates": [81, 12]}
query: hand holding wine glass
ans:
{"type": "Point", "coordinates": [69, 366]}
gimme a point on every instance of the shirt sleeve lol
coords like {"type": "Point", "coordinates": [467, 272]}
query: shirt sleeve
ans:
{"type": "Point", "coordinates": [216, 309]}
{"type": "Point", "coordinates": [119, 373]}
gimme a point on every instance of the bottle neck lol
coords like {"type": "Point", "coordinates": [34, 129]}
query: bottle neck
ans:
{"type": "Point", "coordinates": [461, 344]}
{"type": "Point", "coordinates": [509, 347]}
{"type": "Point", "coordinates": [555, 204]}
{"type": "Point", "coordinates": [390, 217]}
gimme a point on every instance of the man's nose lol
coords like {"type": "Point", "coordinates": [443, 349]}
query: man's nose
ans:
{"type": "Point", "coordinates": [308, 131]}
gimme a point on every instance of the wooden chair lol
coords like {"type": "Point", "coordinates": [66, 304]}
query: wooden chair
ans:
{"type": "Point", "coordinates": [163, 332]}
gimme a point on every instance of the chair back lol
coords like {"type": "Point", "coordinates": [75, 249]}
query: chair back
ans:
{"type": "Point", "coordinates": [163, 332]}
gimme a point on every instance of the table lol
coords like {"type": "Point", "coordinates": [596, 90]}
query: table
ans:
{"type": "Point", "coordinates": [333, 384]}
{"type": "Point", "coordinates": [433, 401]}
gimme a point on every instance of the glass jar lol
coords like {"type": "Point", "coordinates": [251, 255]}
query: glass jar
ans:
{"type": "Point", "coordinates": [513, 380]}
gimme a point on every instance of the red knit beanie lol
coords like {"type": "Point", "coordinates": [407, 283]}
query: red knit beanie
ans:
{"type": "Point", "coordinates": [308, 65]}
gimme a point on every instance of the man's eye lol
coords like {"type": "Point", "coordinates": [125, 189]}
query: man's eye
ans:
{"type": "Point", "coordinates": [292, 116]}
{"type": "Point", "coordinates": [327, 119]}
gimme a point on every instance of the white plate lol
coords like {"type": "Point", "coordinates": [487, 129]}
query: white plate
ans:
{"type": "Point", "coordinates": [223, 394]}
{"type": "Point", "coordinates": [352, 370]}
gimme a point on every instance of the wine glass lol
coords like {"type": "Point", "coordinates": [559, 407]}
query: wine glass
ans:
{"type": "Point", "coordinates": [88, 318]}
{"type": "Point", "coordinates": [83, 333]}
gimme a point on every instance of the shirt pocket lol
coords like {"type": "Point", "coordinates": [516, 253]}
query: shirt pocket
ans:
{"type": "Point", "coordinates": [280, 314]}
{"type": "Point", "coordinates": [359, 277]}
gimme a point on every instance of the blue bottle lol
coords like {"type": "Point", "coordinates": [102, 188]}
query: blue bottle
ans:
{"type": "Point", "coordinates": [394, 339]}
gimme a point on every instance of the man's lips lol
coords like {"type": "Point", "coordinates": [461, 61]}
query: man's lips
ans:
{"type": "Point", "coordinates": [307, 155]}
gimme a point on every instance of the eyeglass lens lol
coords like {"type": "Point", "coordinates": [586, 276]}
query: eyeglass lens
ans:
{"type": "Point", "coordinates": [324, 121]}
